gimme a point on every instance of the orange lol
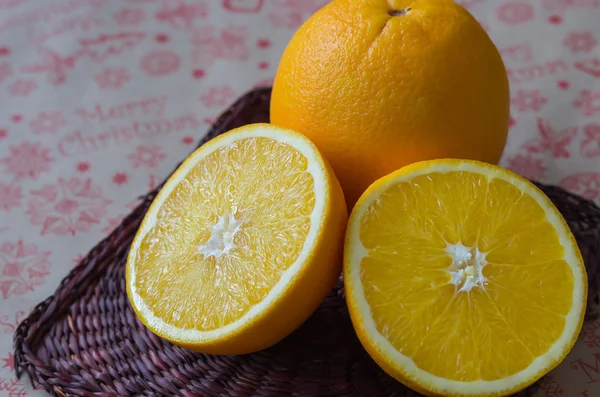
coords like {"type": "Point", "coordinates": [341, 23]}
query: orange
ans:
{"type": "Point", "coordinates": [379, 84]}
{"type": "Point", "coordinates": [241, 244]}
{"type": "Point", "coordinates": [462, 279]}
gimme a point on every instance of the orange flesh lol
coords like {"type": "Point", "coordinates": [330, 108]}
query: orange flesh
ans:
{"type": "Point", "coordinates": [487, 332]}
{"type": "Point", "coordinates": [257, 183]}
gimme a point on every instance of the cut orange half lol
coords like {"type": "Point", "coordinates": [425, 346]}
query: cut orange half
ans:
{"type": "Point", "coordinates": [241, 245]}
{"type": "Point", "coordinates": [462, 279]}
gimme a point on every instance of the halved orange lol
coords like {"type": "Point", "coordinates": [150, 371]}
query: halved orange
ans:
{"type": "Point", "coordinates": [462, 279]}
{"type": "Point", "coordinates": [242, 243]}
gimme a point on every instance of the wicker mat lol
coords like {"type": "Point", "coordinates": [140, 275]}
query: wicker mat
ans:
{"type": "Point", "coordinates": [86, 341]}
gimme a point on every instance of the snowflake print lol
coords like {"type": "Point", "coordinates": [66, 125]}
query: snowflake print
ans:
{"type": "Point", "coordinates": [563, 85]}
{"type": "Point", "coordinates": [591, 67]}
{"type": "Point", "coordinates": [55, 65]}
{"type": "Point", "coordinates": [147, 156]}
{"type": "Point", "coordinates": [129, 16]}
{"type": "Point", "coordinates": [187, 140]}
{"type": "Point", "coordinates": [210, 44]}
{"type": "Point", "coordinates": [515, 13]}
{"type": "Point", "coordinates": [13, 386]}
{"type": "Point", "coordinates": [550, 387]}
{"type": "Point", "coordinates": [160, 63]}
{"type": "Point", "coordinates": [10, 196]}
{"type": "Point", "coordinates": [71, 205]}
{"type": "Point", "coordinates": [218, 97]}
{"type": "Point", "coordinates": [22, 87]}
{"type": "Point", "coordinates": [586, 184]}
{"type": "Point", "coordinates": [111, 78]}
{"type": "Point", "coordinates": [591, 334]}
{"type": "Point", "coordinates": [16, 118]}
{"type": "Point", "coordinates": [3, 133]}
{"type": "Point", "coordinates": [47, 123]}
{"type": "Point", "coordinates": [23, 267]}
{"type": "Point", "coordinates": [113, 223]}
{"type": "Point", "coordinates": [551, 141]}
{"type": "Point", "coordinates": [181, 14]}
{"type": "Point", "coordinates": [529, 101]}
{"type": "Point", "coordinates": [9, 361]}
{"type": "Point", "coordinates": [589, 102]}
{"type": "Point", "coordinates": [120, 178]}
{"type": "Point", "coordinates": [590, 145]}
{"type": "Point", "coordinates": [5, 71]}
{"type": "Point", "coordinates": [527, 166]}
{"type": "Point", "coordinates": [580, 42]}
{"type": "Point", "coordinates": [27, 160]}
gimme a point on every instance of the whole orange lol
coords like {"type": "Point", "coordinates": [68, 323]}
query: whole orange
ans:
{"type": "Point", "coordinates": [379, 84]}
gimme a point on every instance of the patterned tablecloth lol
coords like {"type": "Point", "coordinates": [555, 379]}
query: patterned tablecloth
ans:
{"type": "Point", "coordinates": [100, 99]}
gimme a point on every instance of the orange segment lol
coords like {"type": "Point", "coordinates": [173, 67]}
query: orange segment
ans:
{"type": "Point", "coordinates": [462, 278]}
{"type": "Point", "coordinates": [249, 223]}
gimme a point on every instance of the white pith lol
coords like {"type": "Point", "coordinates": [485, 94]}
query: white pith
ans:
{"type": "Point", "coordinates": [467, 267]}
{"type": "Point", "coordinates": [223, 230]}
{"type": "Point", "coordinates": [355, 252]}
{"type": "Point", "coordinates": [221, 237]}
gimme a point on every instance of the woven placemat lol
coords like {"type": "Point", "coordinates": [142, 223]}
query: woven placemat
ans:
{"type": "Point", "coordinates": [86, 341]}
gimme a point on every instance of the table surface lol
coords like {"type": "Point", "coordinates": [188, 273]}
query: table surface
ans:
{"type": "Point", "coordinates": [100, 99]}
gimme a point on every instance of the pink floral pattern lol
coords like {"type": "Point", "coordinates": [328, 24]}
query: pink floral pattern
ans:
{"type": "Point", "coordinates": [113, 78]}
{"type": "Point", "coordinates": [588, 102]}
{"type": "Point", "coordinates": [70, 206]}
{"type": "Point", "coordinates": [102, 98]}
{"type": "Point", "coordinates": [23, 268]}
{"type": "Point", "coordinates": [515, 12]}
{"type": "Point", "coordinates": [47, 123]}
{"type": "Point", "coordinates": [147, 156]}
{"type": "Point", "coordinates": [527, 166]}
{"type": "Point", "coordinates": [11, 196]}
{"type": "Point", "coordinates": [27, 160]}
{"type": "Point", "coordinates": [531, 101]}
{"type": "Point", "coordinates": [590, 145]}
{"type": "Point", "coordinates": [580, 42]}
{"type": "Point", "coordinates": [586, 184]}
{"type": "Point", "coordinates": [551, 141]}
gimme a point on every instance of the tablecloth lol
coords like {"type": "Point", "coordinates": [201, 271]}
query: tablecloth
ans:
{"type": "Point", "coordinates": [100, 99]}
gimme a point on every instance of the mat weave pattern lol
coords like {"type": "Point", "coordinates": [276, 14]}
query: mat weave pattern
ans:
{"type": "Point", "coordinates": [86, 341]}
